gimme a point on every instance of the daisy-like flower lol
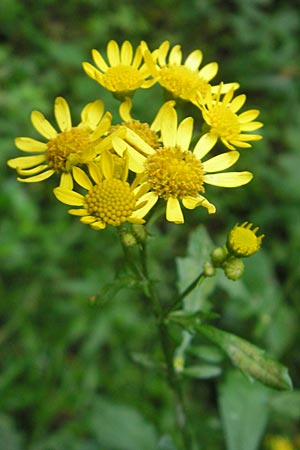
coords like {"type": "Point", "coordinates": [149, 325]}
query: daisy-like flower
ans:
{"type": "Point", "coordinates": [177, 174]}
{"type": "Point", "coordinates": [125, 73]}
{"type": "Point", "coordinates": [243, 241]}
{"type": "Point", "coordinates": [110, 200]}
{"type": "Point", "coordinates": [182, 80]}
{"type": "Point", "coordinates": [221, 115]}
{"type": "Point", "coordinates": [65, 148]}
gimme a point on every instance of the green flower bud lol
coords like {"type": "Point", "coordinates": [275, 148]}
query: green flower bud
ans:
{"type": "Point", "coordinates": [208, 269]}
{"type": "Point", "coordinates": [218, 256]}
{"type": "Point", "coordinates": [233, 268]}
{"type": "Point", "coordinates": [128, 239]}
{"type": "Point", "coordinates": [139, 231]}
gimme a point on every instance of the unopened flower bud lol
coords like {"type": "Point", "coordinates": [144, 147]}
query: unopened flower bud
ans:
{"type": "Point", "coordinates": [128, 239]}
{"type": "Point", "coordinates": [208, 269]}
{"type": "Point", "coordinates": [233, 268]}
{"type": "Point", "coordinates": [218, 256]}
{"type": "Point", "coordinates": [242, 240]}
{"type": "Point", "coordinates": [139, 231]}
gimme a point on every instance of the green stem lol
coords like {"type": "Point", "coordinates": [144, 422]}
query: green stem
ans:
{"type": "Point", "coordinates": [197, 281]}
{"type": "Point", "coordinates": [167, 350]}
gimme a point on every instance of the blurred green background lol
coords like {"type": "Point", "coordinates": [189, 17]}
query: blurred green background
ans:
{"type": "Point", "coordinates": [69, 379]}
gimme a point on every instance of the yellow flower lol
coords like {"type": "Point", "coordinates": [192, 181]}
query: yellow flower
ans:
{"type": "Point", "coordinates": [110, 200]}
{"type": "Point", "coordinates": [70, 146]}
{"type": "Point", "coordinates": [243, 241]}
{"type": "Point", "coordinates": [124, 74]}
{"type": "Point", "coordinates": [279, 443]}
{"type": "Point", "coordinates": [181, 80]}
{"type": "Point", "coordinates": [225, 123]}
{"type": "Point", "coordinates": [174, 172]}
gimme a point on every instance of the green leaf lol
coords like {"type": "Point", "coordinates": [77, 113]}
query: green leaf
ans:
{"type": "Point", "coordinates": [249, 358]}
{"type": "Point", "coordinates": [244, 411]}
{"type": "Point", "coordinates": [202, 371]}
{"type": "Point", "coordinates": [9, 437]}
{"type": "Point", "coordinates": [208, 353]}
{"type": "Point", "coordinates": [286, 404]}
{"type": "Point", "coordinates": [121, 427]}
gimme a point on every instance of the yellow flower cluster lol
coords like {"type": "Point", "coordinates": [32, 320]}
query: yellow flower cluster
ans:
{"type": "Point", "coordinates": [124, 167]}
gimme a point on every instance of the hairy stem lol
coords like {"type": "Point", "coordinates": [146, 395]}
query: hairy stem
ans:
{"type": "Point", "coordinates": [167, 350]}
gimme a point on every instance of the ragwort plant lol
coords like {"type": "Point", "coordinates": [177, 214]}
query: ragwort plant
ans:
{"type": "Point", "coordinates": [123, 172]}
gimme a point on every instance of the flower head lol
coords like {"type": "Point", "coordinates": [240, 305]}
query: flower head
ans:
{"type": "Point", "coordinates": [177, 174]}
{"type": "Point", "coordinates": [224, 121]}
{"type": "Point", "coordinates": [243, 241]}
{"type": "Point", "coordinates": [124, 74]}
{"type": "Point", "coordinates": [110, 199]}
{"type": "Point", "coordinates": [183, 80]}
{"type": "Point", "coordinates": [64, 148]}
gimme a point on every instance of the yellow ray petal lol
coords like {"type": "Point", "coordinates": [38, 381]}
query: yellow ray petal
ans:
{"type": "Point", "coordinates": [107, 165]}
{"type": "Point", "coordinates": [251, 126]}
{"type": "Point", "coordinates": [136, 141]}
{"type": "Point", "coordinates": [126, 53]}
{"type": "Point", "coordinates": [221, 162]}
{"type": "Point", "coordinates": [90, 70]}
{"type": "Point", "coordinates": [237, 103]}
{"type": "Point", "coordinates": [229, 179]}
{"type": "Point", "coordinates": [95, 172]}
{"type": "Point", "coordinates": [81, 178]}
{"type": "Point", "coordinates": [175, 56]}
{"type": "Point", "coordinates": [173, 211]}
{"type": "Point", "coordinates": [62, 114]}
{"type": "Point", "coordinates": [113, 53]}
{"type": "Point", "coordinates": [78, 212]}
{"type": "Point", "coordinates": [36, 178]}
{"type": "Point", "coordinates": [184, 133]}
{"type": "Point", "coordinates": [34, 171]}
{"type": "Point", "coordinates": [205, 144]}
{"type": "Point", "coordinates": [88, 219]}
{"type": "Point", "coordinates": [26, 162]}
{"type": "Point", "coordinates": [249, 115]}
{"type": "Point", "coordinates": [99, 61]}
{"type": "Point", "coordinates": [209, 71]}
{"type": "Point", "coordinates": [137, 57]}
{"type": "Point", "coordinates": [169, 127]}
{"type": "Point", "coordinates": [162, 53]}
{"type": "Point", "coordinates": [150, 198]}
{"type": "Point", "coordinates": [68, 197]}
{"type": "Point", "coordinates": [42, 125]}
{"type": "Point", "coordinates": [102, 127]}
{"type": "Point", "coordinates": [125, 109]}
{"type": "Point", "coordinates": [92, 113]}
{"type": "Point", "coordinates": [66, 181]}
{"type": "Point", "coordinates": [30, 145]}
{"type": "Point", "coordinates": [194, 60]}
{"type": "Point", "coordinates": [193, 202]}
{"type": "Point", "coordinates": [98, 225]}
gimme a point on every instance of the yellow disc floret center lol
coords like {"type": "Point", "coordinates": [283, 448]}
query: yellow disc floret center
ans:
{"type": "Point", "coordinates": [224, 122]}
{"type": "Point", "coordinates": [122, 78]}
{"type": "Point", "coordinates": [172, 172]}
{"type": "Point", "coordinates": [243, 241]}
{"type": "Point", "coordinates": [66, 148]}
{"type": "Point", "coordinates": [112, 201]}
{"type": "Point", "coordinates": [182, 81]}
